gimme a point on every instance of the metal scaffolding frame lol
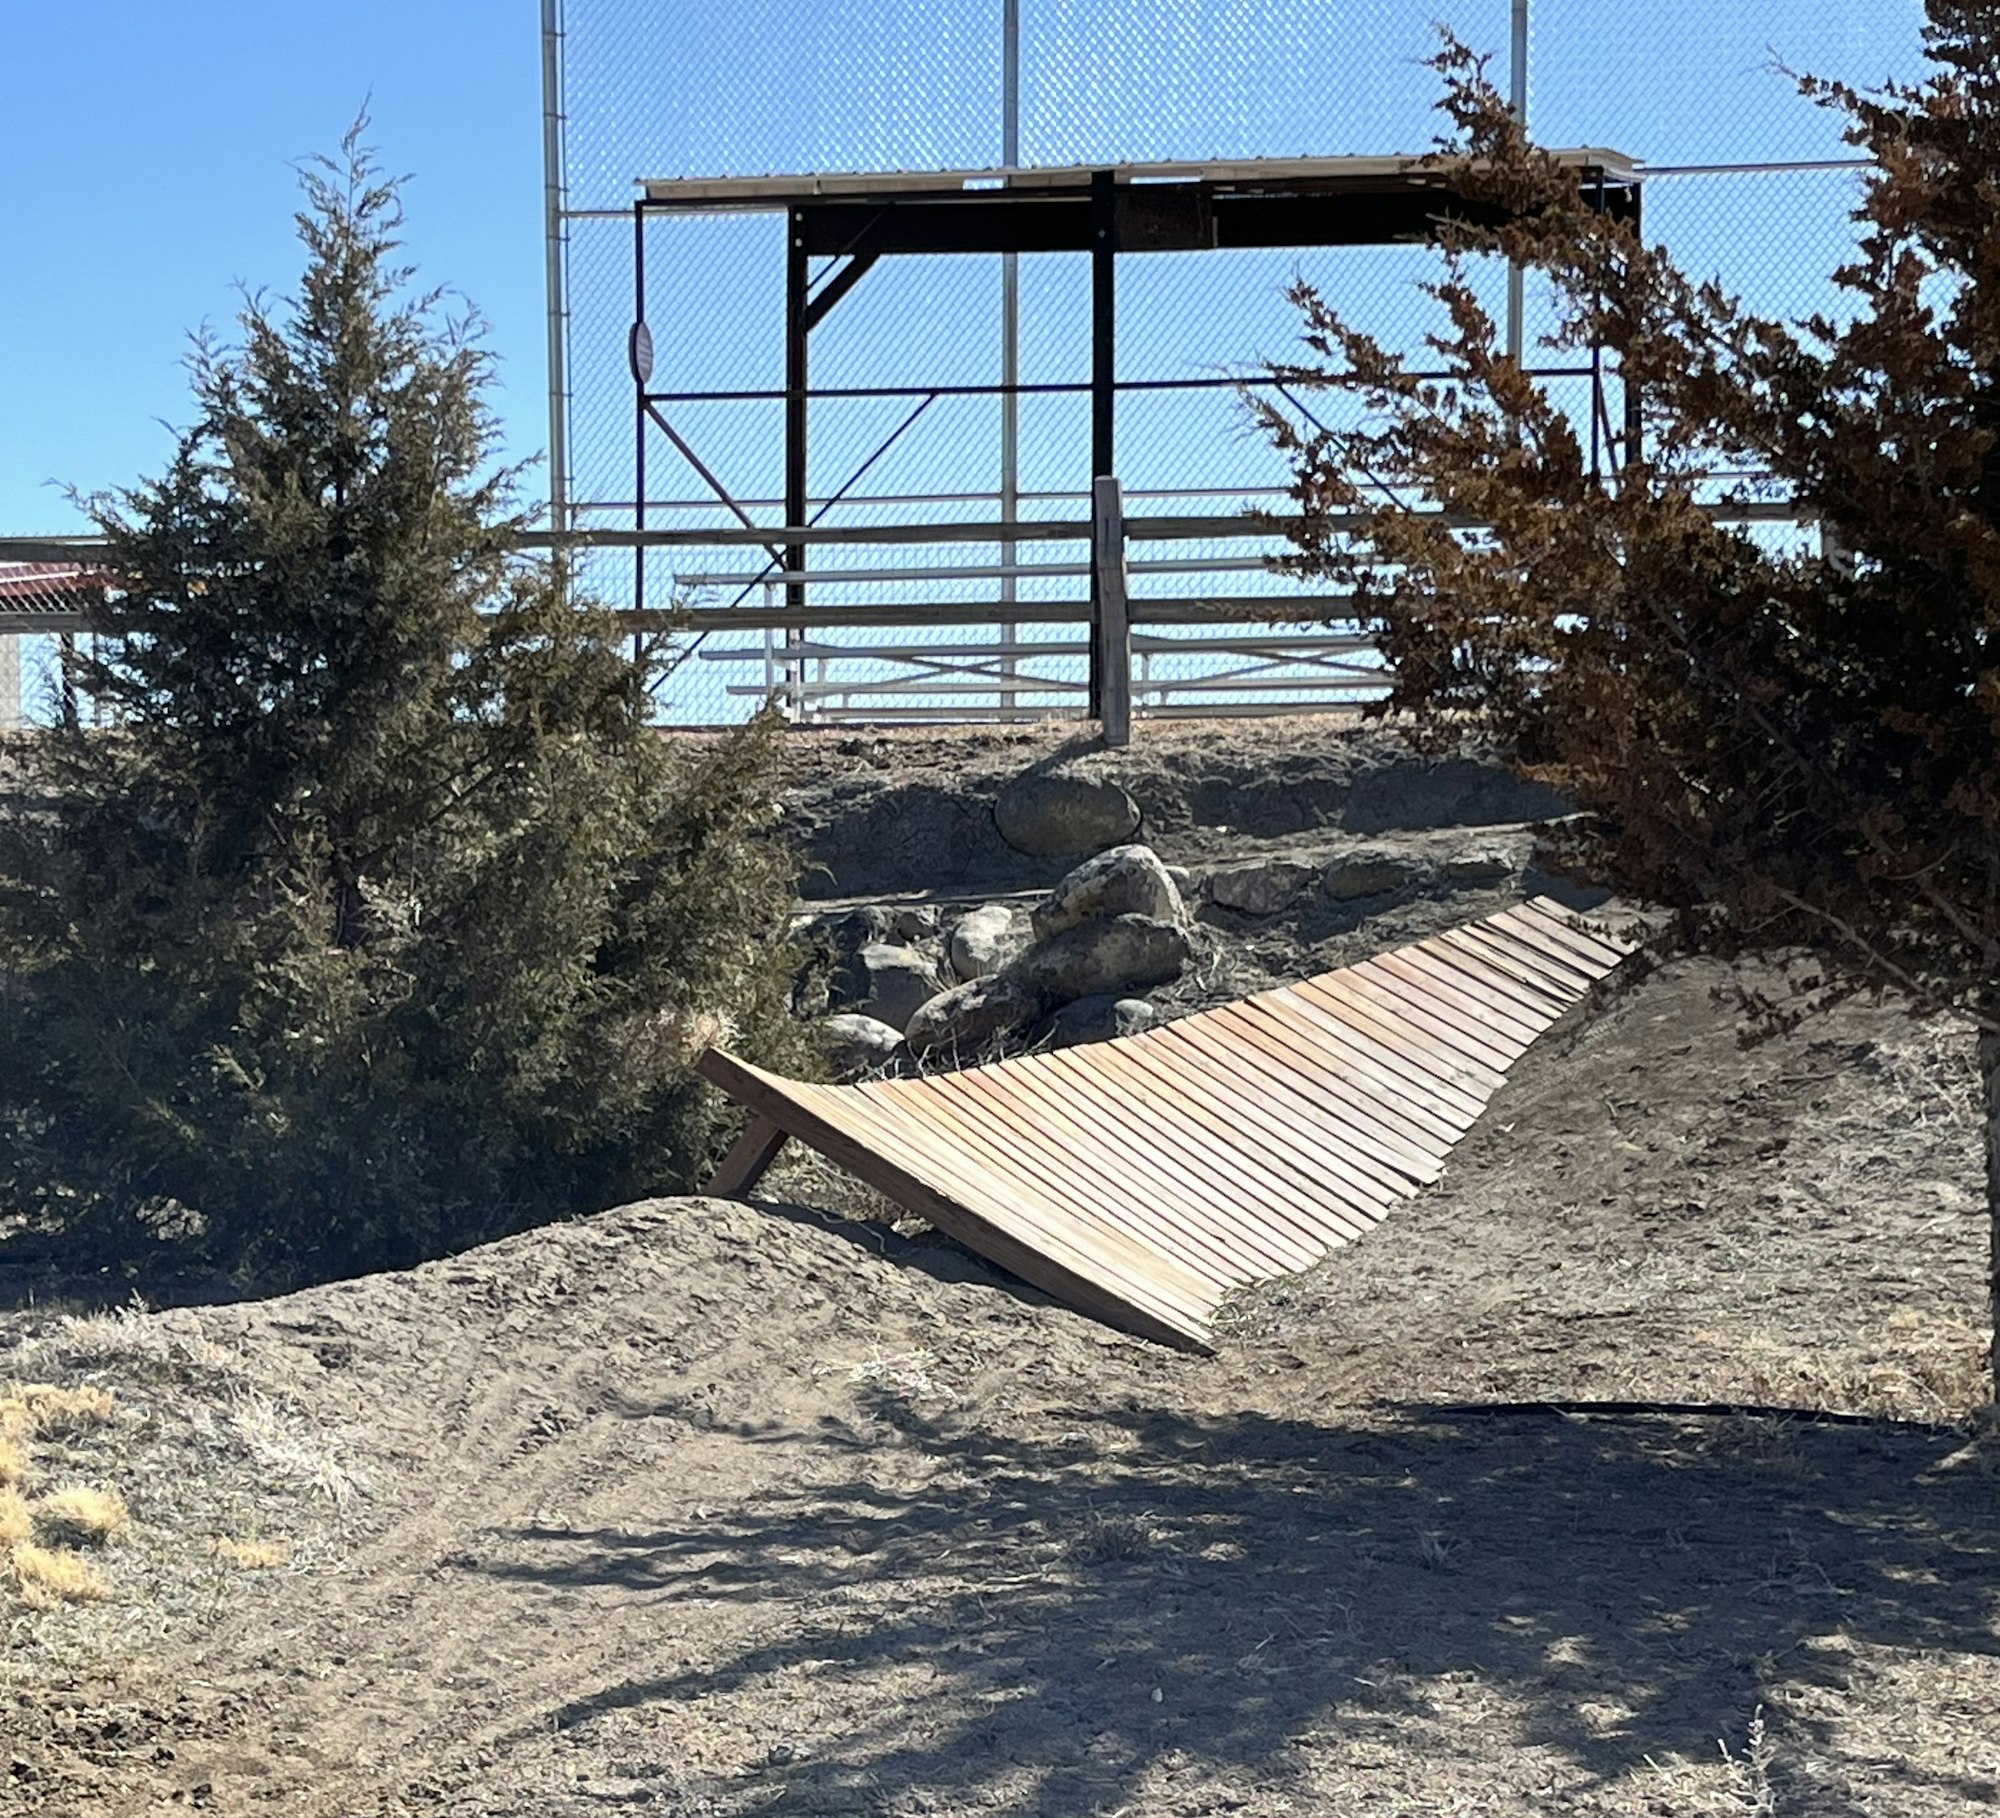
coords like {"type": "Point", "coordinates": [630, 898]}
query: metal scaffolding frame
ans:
{"type": "Point", "coordinates": [854, 220]}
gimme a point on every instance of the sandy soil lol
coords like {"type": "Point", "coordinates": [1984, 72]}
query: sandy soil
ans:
{"type": "Point", "coordinates": [1517, 1506]}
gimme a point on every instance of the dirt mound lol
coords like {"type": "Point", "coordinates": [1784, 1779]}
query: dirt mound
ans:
{"type": "Point", "coordinates": [482, 1416]}
{"type": "Point", "coordinates": [717, 1510]}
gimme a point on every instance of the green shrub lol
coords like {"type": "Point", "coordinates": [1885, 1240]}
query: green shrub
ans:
{"type": "Point", "coordinates": [375, 920]}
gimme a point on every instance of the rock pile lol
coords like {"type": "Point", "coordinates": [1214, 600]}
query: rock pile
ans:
{"type": "Point", "coordinates": [908, 985]}
{"type": "Point", "coordinates": [1072, 968]}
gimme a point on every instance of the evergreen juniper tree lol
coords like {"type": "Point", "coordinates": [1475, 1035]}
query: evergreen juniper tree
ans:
{"type": "Point", "coordinates": [369, 921]}
{"type": "Point", "coordinates": [1795, 747]}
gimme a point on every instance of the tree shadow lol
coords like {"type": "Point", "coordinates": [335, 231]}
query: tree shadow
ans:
{"type": "Point", "coordinates": [1067, 1616]}
{"type": "Point", "coordinates": [929, 1253]}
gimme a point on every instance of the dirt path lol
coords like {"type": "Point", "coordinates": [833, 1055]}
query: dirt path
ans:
{"type": "Point", "coordinates": [712, 1510]}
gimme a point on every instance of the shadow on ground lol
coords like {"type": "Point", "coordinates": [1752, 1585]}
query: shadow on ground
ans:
{"type": "Point", "coordinates": [1052, 1625]}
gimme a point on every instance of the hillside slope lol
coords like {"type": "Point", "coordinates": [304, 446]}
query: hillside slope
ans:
{"type": "Point", "coordinates": [711, 1509]}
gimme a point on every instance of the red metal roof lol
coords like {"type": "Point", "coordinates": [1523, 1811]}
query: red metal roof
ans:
{"type": "Point", "coordinates": [48, 584]}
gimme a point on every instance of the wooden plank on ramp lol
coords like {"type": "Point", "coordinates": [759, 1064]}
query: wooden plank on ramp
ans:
{"type": "Point", "coordinates": [1141, 1180]}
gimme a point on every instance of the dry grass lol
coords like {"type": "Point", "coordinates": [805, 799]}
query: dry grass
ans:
{"type": "Point", "coordinates": [281, 1443]}
{"type": "Point", "coordinates": [81, 1515]}
{"type": "Point", "coordinates": [144, 1344]}
{"type": "Point", "coordinates": [16, 1524]}
{"type": "Point", "coordinates": [1434, 1552]}
{"type": "Point", "coordinates": [1104, 1538]}
{"type": "Point", "coordinates": [46, 1578]}
{"type": "Point", "coordinates": [253, 1555]}
{"type": "Point", "coordinates": [909, 1374]}
{"type": "Point", "coordinates": [1936, 1373]}
{"type": "Point", "coordinates": [1931, 1073]}
{"type": "Point", "coordinates": [50, 1412]}
{"type": "Point", "coordinates": [14, 1466]}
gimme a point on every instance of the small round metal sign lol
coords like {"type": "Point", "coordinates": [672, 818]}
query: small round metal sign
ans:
{"type": "Point", "coordinates": [640, 352]}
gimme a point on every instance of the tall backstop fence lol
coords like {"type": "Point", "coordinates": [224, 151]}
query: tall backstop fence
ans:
{"type": "Point", "coordinates": [719, 175]}
{"type": "Point", "coordinates": [857, 453]}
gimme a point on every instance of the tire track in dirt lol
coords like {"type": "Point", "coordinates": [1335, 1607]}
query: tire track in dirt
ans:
{"type": "Point", "coordinates": [537, 1422]}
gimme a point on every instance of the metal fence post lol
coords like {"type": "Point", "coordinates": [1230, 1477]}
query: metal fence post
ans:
{"type": "Point", "coordinates": [1517, 97]}
{"type": "Point", "coordinates": [555, 229]}
{"type": "Point", "coordinates": [1010, 349]}
{"type": "Point", "coordinates": [1111, 646]}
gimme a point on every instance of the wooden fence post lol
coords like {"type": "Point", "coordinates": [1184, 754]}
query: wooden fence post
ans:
{"type": "Point", "coordinates": [1111, 636]}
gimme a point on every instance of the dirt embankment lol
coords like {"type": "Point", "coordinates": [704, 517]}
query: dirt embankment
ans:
{"type": "Point", "coordinates": [889, 812]}
{"type": "Point", "coordinates": [714, 1510]}
{"type": "Point", "coordinates": [1516, 1506]}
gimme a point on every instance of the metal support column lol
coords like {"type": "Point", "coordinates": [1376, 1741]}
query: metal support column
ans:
{"type": "Point", "coordinates": [1010, 345]}
{"type": "Point", "coordinates": [640, 379]}
{"type": "Point", "coordinates": [555, 198]}
{"type": "Point", "coordinates": [1635, 439]}
{"type": "Point", "coordinates": [1103, 322]}
{"type": "Point", "coordinates": [796, 332]}
{"type": "Point", "coordinates": [1103, 380]}
{"type": "Point", "coordinates": [1517, 100]}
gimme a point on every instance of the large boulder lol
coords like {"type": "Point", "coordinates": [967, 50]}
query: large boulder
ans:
{"type": "Point", "coordinates": [1260, 887]}
{"type": "Point", "coordinates": [965, 1022]}
{"type": "Point", "coordinates": [1366, 873]}
{"type": "Point", "coordinates": [1056, 813]}
{"type": "Point", "coordinates": [858, 1045]}
{"type": "Point", "coordinates": [915, 921]}
{"type": "Point", "coordinates": [1095, 1019]}
{"type": "Point", "coordinates": [886, 981]}
{"type": "Point", "coordinates": [986, 938]}
{"type": "Point", "coordinates": [1127, 880]}
{"type": "Point", "coordinates": [1112, 956]}
{"type": "Point", "coordinates": [1480, 867]}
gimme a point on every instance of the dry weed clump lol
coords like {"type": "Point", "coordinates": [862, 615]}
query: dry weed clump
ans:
{"type": "Point", "coordinates": [46, 1578]}
{"type": "Point", "coordinates": [82, 1515]}
{"type": "Point", "coordinates": [1103, 1539]}
{"type": "Point", "coordinates": [49, 1411]}
{"type": "Point", "coordinates": [910, 1374]}
{"type": "Point", "coordinates": [14, 1467]}
{"type": "Point", "coordinates": [132, 1339]}
{"type": "Point", "coordinates": [16, 1524]}
{"type": "Point", "coordinates": [278, 1442]}
{"type": "Point", "coordinates": [253, 1555]}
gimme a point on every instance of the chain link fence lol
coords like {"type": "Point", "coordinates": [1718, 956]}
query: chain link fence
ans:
{"type": "Point", "coordinates": [1743, 179]}
{"type": "Point", "coordinates": [37, 600]}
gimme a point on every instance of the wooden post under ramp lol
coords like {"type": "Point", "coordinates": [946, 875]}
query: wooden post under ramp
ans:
{"type": "Point", "coordinates": [1111, 647]}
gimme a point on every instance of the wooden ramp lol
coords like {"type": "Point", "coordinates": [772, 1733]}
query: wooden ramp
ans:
{"type": "Point", "coordinates": [1141, 1179]}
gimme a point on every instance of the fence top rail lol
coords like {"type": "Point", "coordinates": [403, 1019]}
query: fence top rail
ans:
{"type": "Point", "coordinates": [76, 553]}
{"type": "Point", "coordinates": [984, 530]}
{"type": "Point", "coordinates": [1181, 527]}
{"type": "Point", "coordinates": [781, 190]}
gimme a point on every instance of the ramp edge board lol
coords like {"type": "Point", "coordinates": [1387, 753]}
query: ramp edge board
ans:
{"type": "Point", "coordinates": [1236, 1145]}
{"type": "Point", "coordinates": [786, 1105]}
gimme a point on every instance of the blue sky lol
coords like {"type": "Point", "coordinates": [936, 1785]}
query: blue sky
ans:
{"type": "Point", "coordinates": [148, 151]}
